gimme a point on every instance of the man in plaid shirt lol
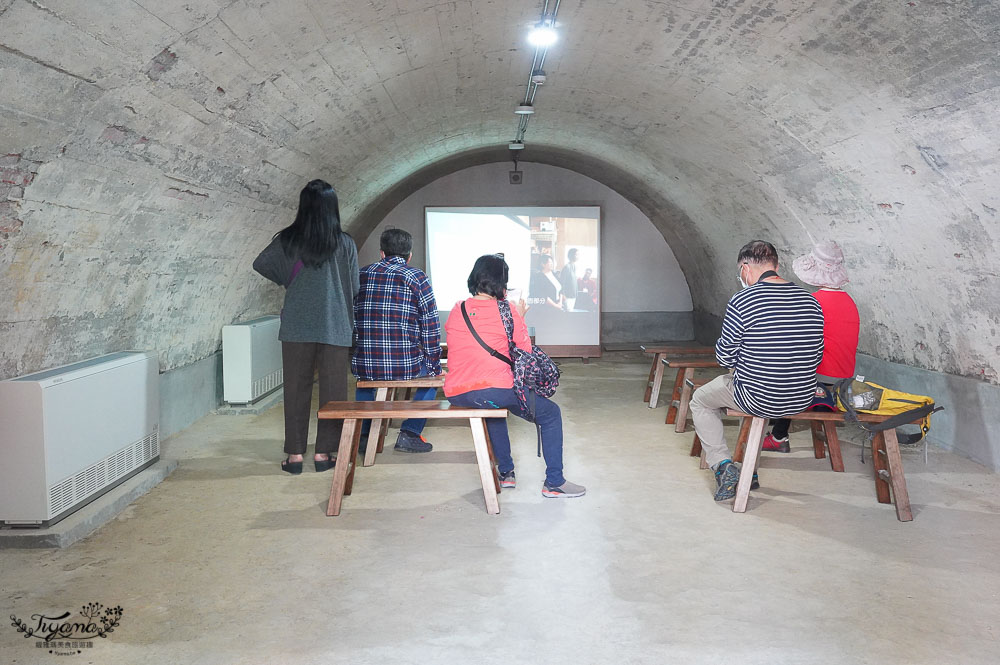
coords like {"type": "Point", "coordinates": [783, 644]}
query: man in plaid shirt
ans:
{"type": "Point", "coordinates": [397, 333]}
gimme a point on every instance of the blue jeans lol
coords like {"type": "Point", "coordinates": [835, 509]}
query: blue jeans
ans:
{"type": "Point", "coordinates": [415, 425]}
{"type": "Point", "coordinates": [547, 417]}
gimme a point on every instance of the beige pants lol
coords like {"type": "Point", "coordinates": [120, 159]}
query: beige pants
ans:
{"type": "Point", "coordinates": [707, 406]}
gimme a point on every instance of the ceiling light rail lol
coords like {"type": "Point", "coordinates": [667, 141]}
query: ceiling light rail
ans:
{"type": "Point", "coordinates": [543, 35]}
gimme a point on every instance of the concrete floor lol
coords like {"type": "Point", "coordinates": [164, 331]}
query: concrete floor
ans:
{"type": "Point", "coordinates": [231, 561]}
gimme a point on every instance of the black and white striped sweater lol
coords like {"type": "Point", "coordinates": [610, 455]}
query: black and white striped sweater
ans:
{"type": "Point", "coordinates": [772, 338]}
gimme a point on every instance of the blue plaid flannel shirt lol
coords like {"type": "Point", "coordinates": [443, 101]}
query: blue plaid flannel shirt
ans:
{"type": "Point", "coordinates": [396, 327]}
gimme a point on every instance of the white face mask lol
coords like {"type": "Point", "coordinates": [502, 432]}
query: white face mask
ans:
{"type": "Point", "coordinates": [742, 283]}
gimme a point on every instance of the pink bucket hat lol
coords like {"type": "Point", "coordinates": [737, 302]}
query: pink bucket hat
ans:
{"type": "Point", "coordinates": [823, 266]}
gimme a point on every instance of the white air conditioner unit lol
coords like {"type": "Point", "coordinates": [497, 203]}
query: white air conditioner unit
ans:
{"type": "Point", "coordinates": [251, 360]}
{"type": "Point", "coordinates": [70, 434]}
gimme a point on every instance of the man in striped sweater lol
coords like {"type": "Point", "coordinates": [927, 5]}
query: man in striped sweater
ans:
{"type": "Point", "coordinates": [772, 342]}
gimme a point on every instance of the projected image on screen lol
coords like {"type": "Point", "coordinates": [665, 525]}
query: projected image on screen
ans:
{"type": "Point", "coordinates": [554, 259]}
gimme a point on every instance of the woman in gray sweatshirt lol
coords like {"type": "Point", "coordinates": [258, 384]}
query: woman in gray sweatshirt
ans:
{"type": "Point", "coordinates": [317, 263]}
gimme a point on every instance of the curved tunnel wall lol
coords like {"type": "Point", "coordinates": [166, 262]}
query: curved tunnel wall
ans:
{"type": "Point", "coordinates": [148, 152]}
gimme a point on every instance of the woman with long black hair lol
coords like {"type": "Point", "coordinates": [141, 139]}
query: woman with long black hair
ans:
{"type": "Point", "coordinates": [317, 263]}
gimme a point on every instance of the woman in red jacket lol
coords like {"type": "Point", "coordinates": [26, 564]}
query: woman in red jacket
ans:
{"type": "Point", "coordinates": [477, 379]}
{"type": "Point", "coordinates": [824, 267]}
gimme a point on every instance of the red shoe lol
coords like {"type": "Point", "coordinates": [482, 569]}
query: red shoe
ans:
{"type": "Point", "coordinates": [774, 445]}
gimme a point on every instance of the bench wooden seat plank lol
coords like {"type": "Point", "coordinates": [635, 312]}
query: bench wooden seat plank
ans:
{"type": "Point", "coordinates": [352, 413]}
{"type": "Point", "coordinates": [429, 409]}
{"type": "Point", "coordinates": [659, 352]}
{"type": "Point", "coordinates": [887, 460]}
{"type": "Point", "coordinates": [678, 349]}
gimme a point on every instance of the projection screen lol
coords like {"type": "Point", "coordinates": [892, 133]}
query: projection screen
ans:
{"type": "Point", "coordinates": [554, 258]}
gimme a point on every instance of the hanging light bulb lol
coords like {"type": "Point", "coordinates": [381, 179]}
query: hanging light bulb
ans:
{"type": "Point", "coordinates": [543, 35]}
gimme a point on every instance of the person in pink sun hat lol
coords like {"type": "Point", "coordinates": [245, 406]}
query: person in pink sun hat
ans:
{"type": "Point", "coordinates": [824, 267]}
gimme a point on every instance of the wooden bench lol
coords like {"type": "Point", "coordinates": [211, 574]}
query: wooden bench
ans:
{"type": "Point", "coordinates": [385, 391]}
{"type": "Point", "coordinates": [656, 370]}
{"type": "Point", "coordinates": [886, 460]}
{"type": "Point", "coordinates": [352, 413]}
{"type": "Point", "coordinates": [823, 427]}
{"type": "Point", "coordinates": [686, 366]}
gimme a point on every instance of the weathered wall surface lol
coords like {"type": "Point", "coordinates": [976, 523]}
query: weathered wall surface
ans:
{"type": "Point", "coordinates": [154, 147]}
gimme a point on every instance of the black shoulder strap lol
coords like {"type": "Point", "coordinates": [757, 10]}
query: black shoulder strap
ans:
{"type": "Point", "coordinates": [493, 352]}
{"type": "Point", "coordinates": [903, 418]}
{"type": "Point", "coordinates": [764, 275]}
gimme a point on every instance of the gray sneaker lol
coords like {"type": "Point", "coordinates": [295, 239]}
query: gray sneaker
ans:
{"type": "Point", "coordinates": [567, 490]}
{"type": "Point", "coordinates": [507, 480]}
{"type": "Point", "coordinates": [408, 442]}
{"type": "Point", "coordinates": [726, 478]}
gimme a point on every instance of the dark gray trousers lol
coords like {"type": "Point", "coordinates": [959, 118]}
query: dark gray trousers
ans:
{"type": "Point", "coordinates": [300, 360]}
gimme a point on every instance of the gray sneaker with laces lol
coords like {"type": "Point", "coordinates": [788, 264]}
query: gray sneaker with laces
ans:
{"type": "Point", "coordinates": [726, 478]}
{"type": "Point", "coordinates": [567, 490]}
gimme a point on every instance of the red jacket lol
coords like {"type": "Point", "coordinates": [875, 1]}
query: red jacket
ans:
{"type": "Point", "coordinates": [470, 366]}
{"type": "Point", "coordinates": [841, 325]}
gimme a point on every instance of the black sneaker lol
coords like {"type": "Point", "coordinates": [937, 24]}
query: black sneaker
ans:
{"type": "Point", "coordinates": [507, 480]}
{"type": "Point", "coordinates": [755, 482]}
{"type": "Point", "coordinates": [726, 477]}
{"type": "Point", "coordinates": [408, 442]}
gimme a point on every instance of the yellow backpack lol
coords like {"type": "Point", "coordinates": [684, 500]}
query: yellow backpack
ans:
{"type": "Point", "coordinates": [855, 396]}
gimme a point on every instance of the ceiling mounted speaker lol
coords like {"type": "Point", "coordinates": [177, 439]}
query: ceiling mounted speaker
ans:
{"type": "Point", "coordinates": [516, 177]}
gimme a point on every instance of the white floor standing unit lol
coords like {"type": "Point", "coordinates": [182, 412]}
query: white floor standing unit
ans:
{"type": "Point", "coordinates": [251, 360]}
{"type": "Point", "coordinates": [69, 434]}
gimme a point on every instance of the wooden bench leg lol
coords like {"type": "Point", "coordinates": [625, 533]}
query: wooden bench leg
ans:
{"type": "Point", "coordinates": [675, 397]}
{"type": "Point", "coordinates": [881, 469]}
{"type": "Point", "coordinates": [695, 446]}
{"type": "Point", "coordinates": [741, 440]}
{"type": "Point", "coordinates": [649, 381]}
{"type": "Point", "coordinates": [355, 440]}
{"type": "Point", "coordinates": [890, 444]}
{"type": "Point", "coordinates": [833, 444]}
{"type": "Point", "coordinates": [483, 460]}
{"type": "Point", "coordinates": [816, 428]}
{"type": "Point", "coordinates": [391, 397]}
{"type": "Point", "coordinates": [493, 460]}
{"type": "Point", "coordinates": [341, 469]}
{"type": "Point", "coordinates": [754, 441]}
{"type": "Point", "coordinates": [377, 433]}
{"type": "Point", "coordinates": [654, 394]}
{"type": "Point", "coordinates": [385, 423]}
{"type": "Point", "coordinates": [685, 400]}
{"type": "Point", "coordinates": [696, 451]}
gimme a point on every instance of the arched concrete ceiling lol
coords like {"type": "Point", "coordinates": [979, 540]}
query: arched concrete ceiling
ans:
{"type": "Point", "coordinates": [153, 148]}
